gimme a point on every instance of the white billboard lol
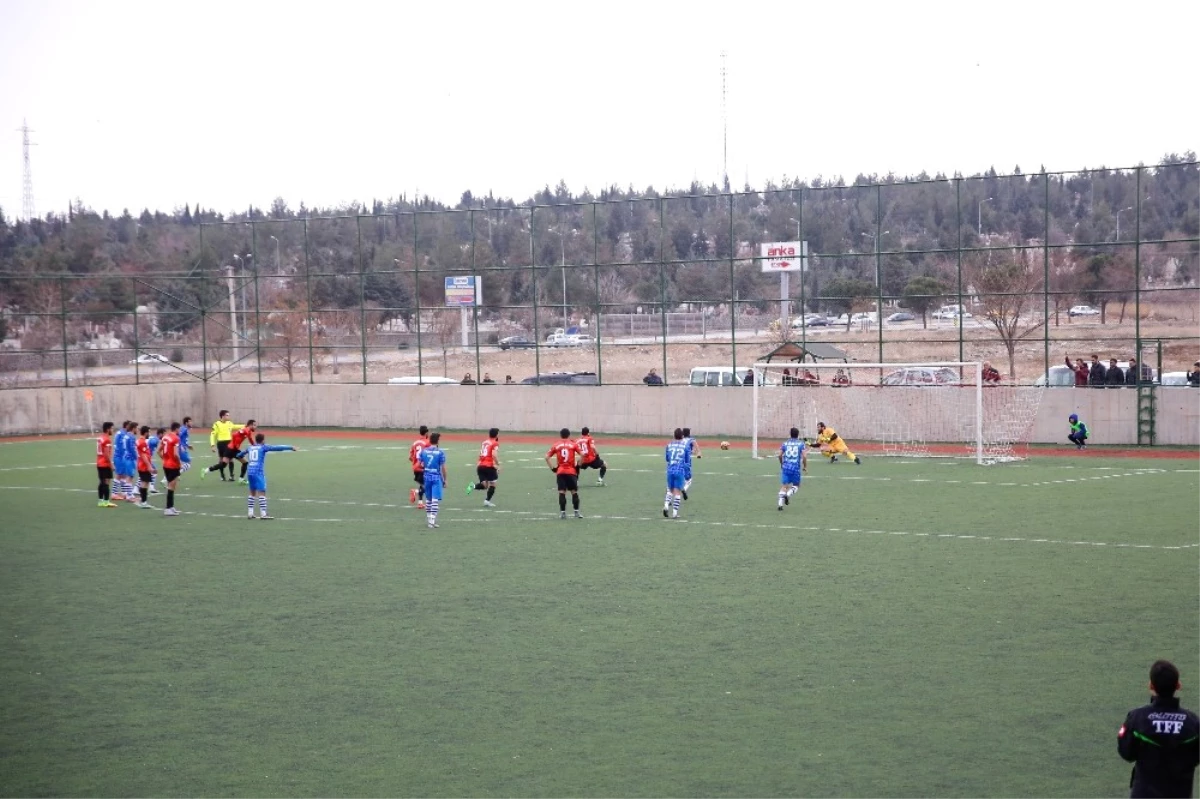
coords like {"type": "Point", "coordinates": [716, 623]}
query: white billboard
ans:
{"type": "Point", "coordinates": [784, 256]}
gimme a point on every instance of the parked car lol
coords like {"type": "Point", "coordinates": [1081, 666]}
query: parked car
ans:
{"type": "Point", "coordinates": [423, 380]}
{"type": "Point", "coordinates": [562, 379]}
{"type": "Point", "coordinates": [701, 376]}
{"type": "Point", "coordinates": [810, 320]}
{"type": "Point", "coordinates": [900, 317]}
{"type": "Point", "coordinates": [922, 376]}
{"type": "Point", "coordinates": [151, 357]}
{"type": "Point", "coordinates": [1083, 310]}
{"type": "Point", "coordinates": [1174, 379]}
{"type": "Point", "coordinates": [951, 312]}
{"type": "Point", "coordinates": [516, 343]}
{"type": "Point", "coordinates": [560, 339]}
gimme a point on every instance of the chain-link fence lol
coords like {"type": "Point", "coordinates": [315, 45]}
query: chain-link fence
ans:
{"type": "Point", "coordinates": [1024, 271]}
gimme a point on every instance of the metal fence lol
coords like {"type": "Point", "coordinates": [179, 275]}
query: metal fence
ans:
{"type": "Point", "coordinates": [667, 283]}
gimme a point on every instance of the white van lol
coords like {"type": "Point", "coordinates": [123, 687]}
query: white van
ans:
{"type": "Point", "coordinates": [702, 376]}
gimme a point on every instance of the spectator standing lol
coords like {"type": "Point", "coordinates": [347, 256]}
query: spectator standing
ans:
{"type": "Point", "coordinates": [468, 380]}
{"type": "Point", "coordinates": [1193, 377]}
{"type": "Point", "coordinates": [1096, 373]}
{"type": "Point", "coordinates": [840, 378]}
{"type": "Point", "coordinates": [1161, 739]}
{"type": "Point", "coordinates": [652, 379]}
{"type": "Point", "coordinates": [487, 379]}
{"type": "Point", "coordinates": [1114, 375]}
{"type": "Point", "coordinates": [748, 380]}
{"type": "Point", "coordinates": [508, 381]}
{"type": "Point", "coordinates": [991, 375]}
{"type": "Point", "coordinates": [787, 377]}
{"type": "Point", "coordinates": [1133, 372]}
{"type": "Point", "coordinates": [1080, 368]}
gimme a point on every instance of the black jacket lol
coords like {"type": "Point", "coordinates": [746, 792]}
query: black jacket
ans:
{"type": "Point", "coordinates": [1162, 740]}
{"type": "Point", "coordinates": [1115, 376]}
{"type": "Point", "coordinates": [1096, 374]}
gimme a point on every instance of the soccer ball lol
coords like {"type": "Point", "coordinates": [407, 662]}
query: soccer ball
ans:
{"type": "Point", "coordinates": [724, 445]}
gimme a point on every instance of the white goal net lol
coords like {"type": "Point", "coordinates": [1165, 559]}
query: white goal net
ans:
{"type": "Point", "coordinates": [908, 409]}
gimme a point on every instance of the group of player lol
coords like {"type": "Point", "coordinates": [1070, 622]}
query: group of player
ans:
{"type": "Point", "coordinates": [129, 451]}
{"type": "Point", "coordinates": [566, 458]}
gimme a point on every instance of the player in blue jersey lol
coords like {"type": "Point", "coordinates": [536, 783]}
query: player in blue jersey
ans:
{"type": "Point", "coordinates": [433, 463]}
{"type": "Point", "coordinates": [793, 459]}
{"type": "Point", "coordinates": [125, 451]}
{"type": "Point", "coordinates": [693, 450]}
{"type": "Point", "coordinates": [256, 458]}
{"type": "Point", "coordinates": [676, 456]}
{"type": "Point", "coordinates": [153, 442]}
{"type": "Point", "coordinates": [185, 446]}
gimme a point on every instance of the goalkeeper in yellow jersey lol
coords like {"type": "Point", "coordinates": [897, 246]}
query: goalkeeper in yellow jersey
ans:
{"type": "Point", "coordinates": [832, 445]}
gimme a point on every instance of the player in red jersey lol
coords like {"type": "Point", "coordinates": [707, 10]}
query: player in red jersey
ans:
{"type": "Point", "coordinates": [589, 458]}
{"type": "Point", "coordinates": [145, 469]}
{"type": "Point", "coordinates": [563, 460]}
{"type": "Point", "coordinates": [488, 470]}
{"type": "Point", "coordinates": [416, 496]}
{"type": "Point", "coordinates": [243, 435]}
{"type": "Point", "coordinates": [168, 449]}
{"type": "Point", "coordinates": [104, 466]}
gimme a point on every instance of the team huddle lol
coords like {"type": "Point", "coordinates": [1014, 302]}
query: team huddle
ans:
{"type": "Point", "coordinates": [122, 453]}
{"type": "Point", "coordinates": [125, 463]}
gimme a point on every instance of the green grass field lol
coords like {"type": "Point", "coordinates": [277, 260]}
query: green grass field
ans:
{"type": "Point", "coordinates": [903, 629]}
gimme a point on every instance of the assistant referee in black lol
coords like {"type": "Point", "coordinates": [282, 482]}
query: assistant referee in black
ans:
{"type": "Point", "coordinates": [1161, 739]}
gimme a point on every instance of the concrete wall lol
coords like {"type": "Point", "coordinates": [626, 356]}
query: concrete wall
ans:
{"type": "Point", "coordinates": [862, 413]}
{"type": "Point", "coordinates": [32, 411]}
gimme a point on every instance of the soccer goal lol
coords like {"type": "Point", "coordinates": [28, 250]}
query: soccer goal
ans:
{"type": "Point", "coordinates": [916, 410]}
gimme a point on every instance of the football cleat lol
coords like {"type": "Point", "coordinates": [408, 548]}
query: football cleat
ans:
{"type": "Point", "coordinates": [144, 505]}
{"type": "Point", "coordinates": [470, 488]}
{"type": "Point", "coordinates": [171, 512]}
{"type": "Point", "coordinates": [786, 501]}
{"type": "Point", "coordinates": [578, 515]}
{"type": "Point", "coordinates": [857, 460]}
{"type": "Point", "coordinates": [487, 503]}
{"type": "Point", "coordinates": [833, 458]}
{"type": "Point", "coordinates": [412, 496]}
{"type": "Point", "coordinates": [562, 514]}
{"type": "Point", "coordinates": [267, 518]}
{"type": "Point", "coordinates": [683, 494]}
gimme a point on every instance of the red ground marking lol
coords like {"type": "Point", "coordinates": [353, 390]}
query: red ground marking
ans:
{"type": "Point", "coordinates": [1039, 451]}
{"type": "Point", "coordinates": [603, 441]}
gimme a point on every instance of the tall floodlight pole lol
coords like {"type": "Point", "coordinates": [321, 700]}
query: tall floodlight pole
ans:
{"type": "Point", "coordinates": [27, 208]}
{"type": "Point", "coordinates": [1123, 210]}
{"type": "Point", "coordinates": [233, 328]}
{"type": "Point", "coordinates": [979, 216]}
{"type": "Point", "coordinates": [878, 301]}
{"type": "Point", "coordinates": [562, 236]}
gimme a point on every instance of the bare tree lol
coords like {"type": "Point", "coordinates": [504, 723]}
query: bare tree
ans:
{"type": "Point", "coordinates": [1010, 290]}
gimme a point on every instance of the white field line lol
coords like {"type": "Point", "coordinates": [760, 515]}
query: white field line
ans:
{"type": "Point", "coordinates": [537, 516]}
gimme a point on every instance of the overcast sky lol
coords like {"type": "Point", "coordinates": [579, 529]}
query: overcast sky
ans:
{"type": "Point", "coordinates": [158, 104]}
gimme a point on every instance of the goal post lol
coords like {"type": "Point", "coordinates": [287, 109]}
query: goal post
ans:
{"type": "Point", "coordinates": [933, 409]}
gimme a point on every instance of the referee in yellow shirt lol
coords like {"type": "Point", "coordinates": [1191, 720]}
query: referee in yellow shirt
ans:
{"type": "Point", "coordinates": [218, 440]}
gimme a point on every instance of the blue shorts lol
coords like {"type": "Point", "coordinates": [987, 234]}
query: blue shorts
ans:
{"type": "Point", "coordinates": [184, 456]}
{"type": "Point", "coordinates": [257, 482]}
{"type": "Point", "coordinates": [123, 466]}
{"type": "Point", "coordinates": [433, 489]}
{"type": "Point", "coordinates": [675, 481]}
{"type": "Point", "coordinates": [789, 477]}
